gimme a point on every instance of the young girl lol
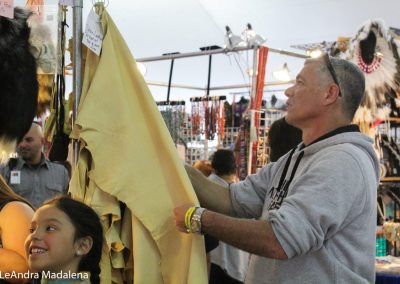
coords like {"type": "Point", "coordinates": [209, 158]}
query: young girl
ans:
{"type": "Point", "coordinates": [12, 232]}
{"type": "Point", "coordinates": [65, 242]}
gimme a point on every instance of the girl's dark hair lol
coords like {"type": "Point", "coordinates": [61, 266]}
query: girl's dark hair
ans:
{"type": "Point", "coordinates": [87, 224]}
{"type": "Point", "coordinates": [223, 162]}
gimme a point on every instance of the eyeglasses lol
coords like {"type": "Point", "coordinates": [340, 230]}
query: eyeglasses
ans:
{"type": "Point", "coordinates": [332, 71]}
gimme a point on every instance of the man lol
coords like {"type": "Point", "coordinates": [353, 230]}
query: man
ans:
{"type": "Point", "coordinates": [31, 175]}
{"type": "Point", "coordinates": [315, 208]}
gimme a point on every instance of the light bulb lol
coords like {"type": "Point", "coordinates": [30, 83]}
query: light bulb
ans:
{"type": "Point", "coordinates": [282, 74]}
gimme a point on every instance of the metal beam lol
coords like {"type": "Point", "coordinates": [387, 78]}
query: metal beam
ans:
{"type": "Point", "coordinates": [217, 51]}
{"type": "Point", "coordinates": [173, 85]}
{"type": "Point", "coordinates": [243, 86]}
{"type": "Point", "coordinates": [227, 87]}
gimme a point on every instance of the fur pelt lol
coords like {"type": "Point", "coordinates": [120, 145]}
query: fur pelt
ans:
{"type": "Point", "coordinates": [18, 83]}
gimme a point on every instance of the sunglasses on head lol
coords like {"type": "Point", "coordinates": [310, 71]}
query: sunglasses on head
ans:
{"type": "Point", "coordinates": [332, 71]}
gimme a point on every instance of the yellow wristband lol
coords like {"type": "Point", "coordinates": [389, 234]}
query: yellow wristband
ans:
{"type": "Point", "coordinates": [188, 216]}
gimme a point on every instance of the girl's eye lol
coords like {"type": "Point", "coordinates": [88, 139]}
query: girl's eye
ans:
{"type": "Point", "coordinates": [31, 230]}
{"type": "Point", "coordinates": [50, 228]}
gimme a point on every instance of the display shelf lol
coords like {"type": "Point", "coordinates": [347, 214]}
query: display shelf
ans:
{"type": "Point", "coordinates": [230, 136]}
{"type": "Point", "coordinates": [393, 119]}
{"type": "Point", "coordinates": [390, 179]}
{"type": "Point", "coordinates": [273, 114]}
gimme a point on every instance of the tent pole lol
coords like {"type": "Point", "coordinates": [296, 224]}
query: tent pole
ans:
{"type": "Point", "coordinates": [77, 66]}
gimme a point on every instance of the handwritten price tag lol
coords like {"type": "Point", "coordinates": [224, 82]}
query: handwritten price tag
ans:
{"type": "Point", "coordinates": [7, 8]}
{"type": "Point", "coordinates": [93, 37]}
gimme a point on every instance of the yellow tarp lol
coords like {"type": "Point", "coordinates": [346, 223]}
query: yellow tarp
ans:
{"type": "Point", "coordinates": [128, 155]}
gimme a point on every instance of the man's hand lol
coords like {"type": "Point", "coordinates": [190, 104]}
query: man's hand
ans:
{"type": "Point", "coordinates": [179, 217]}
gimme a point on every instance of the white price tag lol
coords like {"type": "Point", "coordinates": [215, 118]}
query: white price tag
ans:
{"type": "Point", "coordinates": [66, 2]}
{"type": "Point", "coordinates": [7, 8]}
{"type": "Point", "coordinates": [93, 37]}
{"type": "Point", "coordinates": [15, 177]}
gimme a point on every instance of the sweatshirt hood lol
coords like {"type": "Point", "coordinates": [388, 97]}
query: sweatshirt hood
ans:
{"type": "Point", "coordinates": [357, 139]}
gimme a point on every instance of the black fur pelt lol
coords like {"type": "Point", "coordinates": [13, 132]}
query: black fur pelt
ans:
{"type": "Point", "coordinates": [18, 83]}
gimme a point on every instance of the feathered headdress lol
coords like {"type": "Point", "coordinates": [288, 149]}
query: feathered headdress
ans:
{"type": "Point", "coordinates": [18, 84]}
{"type": "Point", "coordinates": [376, 52]}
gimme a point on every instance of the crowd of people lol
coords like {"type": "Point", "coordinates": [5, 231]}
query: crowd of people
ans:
{"type": "Point", "coordinates": [309, 216]}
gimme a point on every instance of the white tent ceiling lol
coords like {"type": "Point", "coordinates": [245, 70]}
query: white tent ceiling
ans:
{"type": "Point", "coordinates": [154, 27]}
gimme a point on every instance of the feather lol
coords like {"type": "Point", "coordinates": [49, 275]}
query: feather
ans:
{"type": "Point", "coordinates": [376, 52]}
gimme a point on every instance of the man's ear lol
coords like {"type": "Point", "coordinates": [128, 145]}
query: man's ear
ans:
{"type": "Point", "coordinates": [83, 246]}
{"type": "Point", "coordinates": [332, 94]}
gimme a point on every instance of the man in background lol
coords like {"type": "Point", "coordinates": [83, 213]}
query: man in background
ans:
{"type": "Point", "coordinates": [31, 175]}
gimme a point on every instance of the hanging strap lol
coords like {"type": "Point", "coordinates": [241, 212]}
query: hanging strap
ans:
{"type": "Point", "coordinates": [60, 81]}
{"type": "Point", "coordinates": [170, 73]}
{"type": "Point", "coordinates": [209, 76]}
{"type": "Point", "coordinates": [296, 165]}
{"type": "Point", "coordinates": [285, 169]}
{"type": "Point", "coordinates": [170, 79]}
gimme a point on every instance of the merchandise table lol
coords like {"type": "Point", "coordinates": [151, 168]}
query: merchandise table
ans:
{"type": "Point", "coordinates": [387, 270]}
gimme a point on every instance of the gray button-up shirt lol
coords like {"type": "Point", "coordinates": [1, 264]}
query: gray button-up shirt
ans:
{"type": "Point", "coordinates": [36, 183]}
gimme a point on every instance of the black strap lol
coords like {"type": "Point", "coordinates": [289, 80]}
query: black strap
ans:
{"type": "Point", "coordinates": [285, 169]}
{"type": "Point", "coordinates": [296, 165]}
{"type": "Point", "coordinates": [170, 79]}
{"type": "Point", "coordinates": [60, 82]}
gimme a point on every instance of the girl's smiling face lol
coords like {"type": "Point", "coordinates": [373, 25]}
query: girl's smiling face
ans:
{"type": "Point", "coordinates": [51, 245]}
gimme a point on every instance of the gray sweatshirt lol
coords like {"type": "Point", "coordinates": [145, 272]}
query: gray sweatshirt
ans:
{"type": "Point", "coordinates": [325, 220]}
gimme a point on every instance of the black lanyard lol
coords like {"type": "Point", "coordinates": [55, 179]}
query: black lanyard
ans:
{"type": "Point", "coordinates": [279, 194]}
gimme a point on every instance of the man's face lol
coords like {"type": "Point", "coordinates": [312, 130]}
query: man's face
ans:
{"type": "Point", "coordinates": [304, 104]}
{"type": "Point", "coordinates": [31, 145]}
